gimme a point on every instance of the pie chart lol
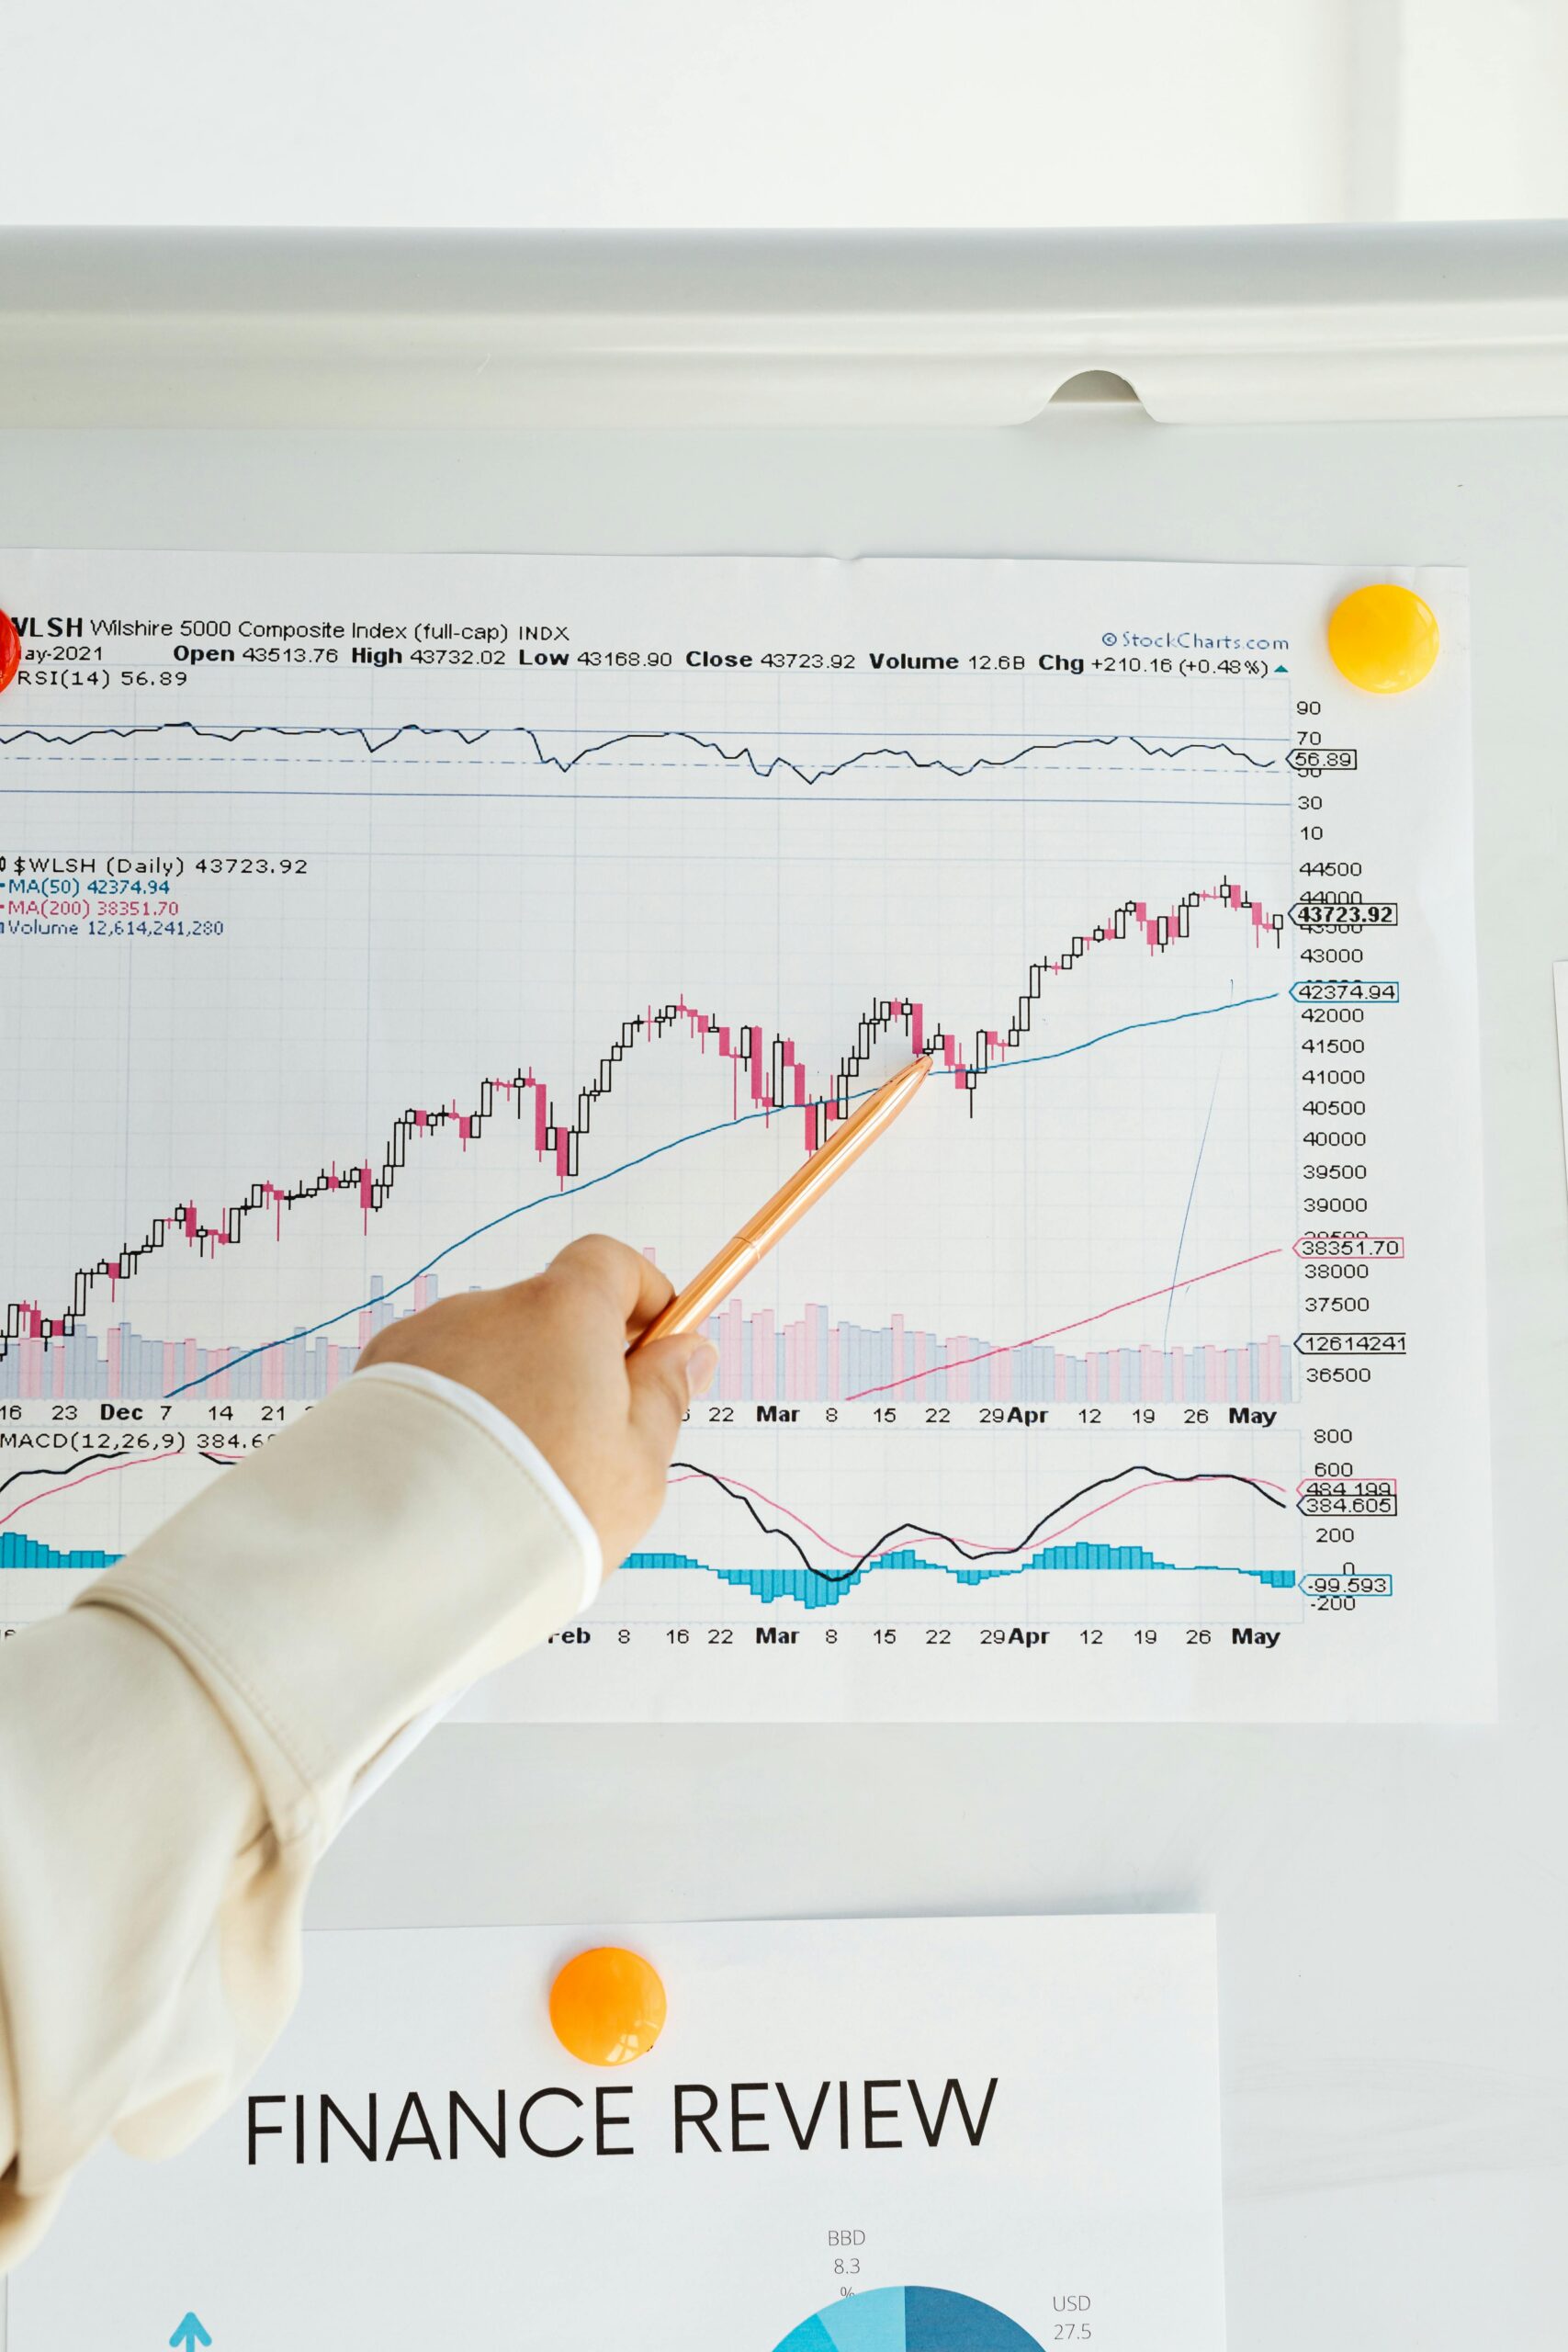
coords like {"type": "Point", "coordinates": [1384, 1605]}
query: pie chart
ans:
{"type": "Point", "coordinates": [909, 2319]}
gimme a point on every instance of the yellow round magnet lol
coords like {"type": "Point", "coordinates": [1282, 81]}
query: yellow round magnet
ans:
{"type": "Point", "coordinates": [608, 2007]}
{"type": "Point", "coordinates": [1383, 638]}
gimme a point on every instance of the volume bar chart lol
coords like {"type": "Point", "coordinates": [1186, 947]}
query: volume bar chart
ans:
{"type": "Point", "coordinates": [127, 1364]}
{"type": "Point", "coordinates": [813, 1358]}
{"type": "Point", "coordinates": [809, 1358]}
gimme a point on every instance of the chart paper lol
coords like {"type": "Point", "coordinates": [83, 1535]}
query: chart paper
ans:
{"type": "Point", "coordinates": [995, 2134]}
{"type": "Point", "coordinates": [372, 926]}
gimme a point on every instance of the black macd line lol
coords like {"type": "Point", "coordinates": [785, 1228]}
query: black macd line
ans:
{"type": "Point", "coordinates": [993, 1551]}
{"type": "Point", "coordinates": [64, 1469]}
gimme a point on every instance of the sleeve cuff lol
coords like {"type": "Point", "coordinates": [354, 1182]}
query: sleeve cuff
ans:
{"type": "Point", "coordinates": [398, 1542]}
{"type": "Point", "coordinates": [521, 1448]}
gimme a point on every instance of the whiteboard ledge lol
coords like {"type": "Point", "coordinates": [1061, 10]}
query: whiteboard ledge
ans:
{"type": "Point", "coordinates": [501, 328]}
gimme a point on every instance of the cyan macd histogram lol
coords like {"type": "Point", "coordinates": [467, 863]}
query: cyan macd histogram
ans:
{"type": "Point", "coordinates": [814, 1589]}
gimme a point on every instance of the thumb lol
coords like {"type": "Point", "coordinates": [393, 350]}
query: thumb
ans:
{"type": "Point", "coordinates": [664, 1377]}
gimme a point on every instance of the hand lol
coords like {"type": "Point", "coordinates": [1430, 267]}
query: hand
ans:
{"type": "Point", "coordinates": [551, 1354]}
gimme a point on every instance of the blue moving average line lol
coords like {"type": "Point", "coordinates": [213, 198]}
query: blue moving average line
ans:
{"type": "Point", "coordinates": [721, 1126]}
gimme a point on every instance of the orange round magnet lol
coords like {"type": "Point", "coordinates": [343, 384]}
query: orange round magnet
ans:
{"type": "Point", "coordinates": [1383, 638]}
{"type": "Point", "coordinates": [10, 650]}
{"type": "Point", "coordinates": [608, 2006]}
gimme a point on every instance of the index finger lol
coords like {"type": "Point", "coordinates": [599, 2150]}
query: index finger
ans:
{"type": "Point", "coordinates": [630, 1283]}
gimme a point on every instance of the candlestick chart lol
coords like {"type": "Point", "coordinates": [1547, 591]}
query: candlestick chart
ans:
{"type": "Point", "coordinates": [340, 989]}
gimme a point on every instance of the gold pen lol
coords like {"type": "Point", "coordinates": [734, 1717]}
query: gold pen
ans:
{"type": "Point", "coordinates": [692, 1307]}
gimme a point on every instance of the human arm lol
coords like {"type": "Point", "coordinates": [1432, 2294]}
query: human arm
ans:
{"type": "Point", "coordinates": [177, 1750]}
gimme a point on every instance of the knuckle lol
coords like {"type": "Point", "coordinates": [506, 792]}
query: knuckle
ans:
{"type": "Point", "coordinates": [592, 1250]}
{"type": "Point", "coordinates": [594, 1261]}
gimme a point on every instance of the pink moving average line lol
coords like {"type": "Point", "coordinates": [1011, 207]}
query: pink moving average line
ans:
{"type": "Point", "coordinates": [685, 1478]}
{"type": "Point", "coordinates": [1008, 1347]}
{"type": "Point", "coordinates": [774, 1076]}
{"type": "Point", "coordinates": [966, 1543]}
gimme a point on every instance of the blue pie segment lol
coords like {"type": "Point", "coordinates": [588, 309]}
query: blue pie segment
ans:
{"type": "Point", "coordinates": [909, 2319]}
{"type": "Point", "coordinates": [935, 2322]}
{"type": "Point", "coordinates": [812, 2336]}
{"type": "Point", "coordinates": [873, 2323]}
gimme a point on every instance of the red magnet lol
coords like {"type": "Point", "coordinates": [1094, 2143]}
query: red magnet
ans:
{"type": "Point", "coordinates": [10, 650]}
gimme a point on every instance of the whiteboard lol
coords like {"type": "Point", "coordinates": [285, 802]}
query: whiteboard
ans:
{"type": "Point", "coordinates": [1394, 1925]}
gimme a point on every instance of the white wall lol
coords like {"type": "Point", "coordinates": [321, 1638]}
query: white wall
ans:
{"type": "Point", "coordinates": [1484, 109]}
{"type": "Point", "coordinates": [784, 112]}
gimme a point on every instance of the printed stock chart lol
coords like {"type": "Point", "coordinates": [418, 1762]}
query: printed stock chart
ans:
{"type": "Point", "coordinates": [370, 927]}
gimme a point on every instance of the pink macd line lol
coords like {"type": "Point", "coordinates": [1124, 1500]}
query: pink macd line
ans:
{"type": "Point", "coordinates": [964, 1543]}
{"type": "Point", "coordinates": [1142, 1486]}
{"type": "Point", "coordinates": [1010, 1347]}
{"type": "Point", "coordinates": [690, 1478]}
{"type": "Point", "coordinates": [48, 1494]}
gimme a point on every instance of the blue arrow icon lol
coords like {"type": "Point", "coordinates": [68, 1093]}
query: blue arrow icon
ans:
{"type": "Point", "coordinates": [189, 2334]}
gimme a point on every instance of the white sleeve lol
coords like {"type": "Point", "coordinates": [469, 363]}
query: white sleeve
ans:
{"type": "Point", "coordinates": [176, 1751]}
